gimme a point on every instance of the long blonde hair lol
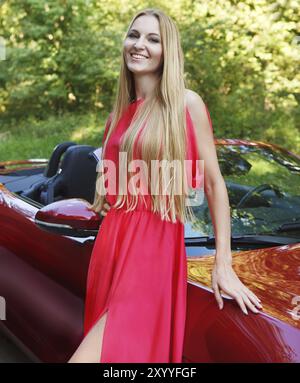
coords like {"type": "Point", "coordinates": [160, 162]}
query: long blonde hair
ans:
{"type": "Point", "coordinates": [164, 112]}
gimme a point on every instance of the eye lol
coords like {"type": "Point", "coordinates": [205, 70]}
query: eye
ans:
{"type": "Point", "coordinates": [132, 34]}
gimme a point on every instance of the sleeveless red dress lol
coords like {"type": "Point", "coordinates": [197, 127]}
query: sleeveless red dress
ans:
{"type": "Point", "coordinates": [138, 274]}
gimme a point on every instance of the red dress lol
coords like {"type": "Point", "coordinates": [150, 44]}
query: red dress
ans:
{"type": "Point", "coordinates": [138, 272]}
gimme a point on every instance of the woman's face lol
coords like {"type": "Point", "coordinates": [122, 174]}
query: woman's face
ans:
{"type": "Point", "coordinates": [143, 47]}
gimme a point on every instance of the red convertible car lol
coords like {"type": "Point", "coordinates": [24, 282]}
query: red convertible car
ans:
{"type": "Point", "coordinates": [47, 234]}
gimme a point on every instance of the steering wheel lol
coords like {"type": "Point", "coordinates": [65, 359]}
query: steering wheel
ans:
{"type": "Point", "coordinates": [257, 189]}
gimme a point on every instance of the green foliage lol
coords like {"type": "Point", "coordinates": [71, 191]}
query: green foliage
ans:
{"type": "Point", "coordinates": [35, 138]}
{"type": "Point", "coordinates": [63, 56]}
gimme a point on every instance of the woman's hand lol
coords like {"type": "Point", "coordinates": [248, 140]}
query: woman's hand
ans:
{"type": "Point", "coordinates": [225, 278]}
{"type": "Point", "coordinates": [105, 208]}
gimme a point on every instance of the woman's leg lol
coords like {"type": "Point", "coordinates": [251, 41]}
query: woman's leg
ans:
{"type": "Point", "coordinates": [89, 350]}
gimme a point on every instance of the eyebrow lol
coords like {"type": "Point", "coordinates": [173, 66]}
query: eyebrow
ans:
{"type": "Point", "coordinates": [152, 33]}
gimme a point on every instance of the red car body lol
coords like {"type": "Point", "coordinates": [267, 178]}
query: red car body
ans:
{"type": "Point", "coordinates": [43, 280]}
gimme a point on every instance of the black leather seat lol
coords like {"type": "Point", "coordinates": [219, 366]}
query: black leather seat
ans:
{"type": "Point", "coordinates": [76, 177]}
{"type": "Point", "coordinates": [34, 191]}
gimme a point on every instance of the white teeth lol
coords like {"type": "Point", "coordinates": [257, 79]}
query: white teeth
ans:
{"type": "Point", "coordinates": [137, 56]}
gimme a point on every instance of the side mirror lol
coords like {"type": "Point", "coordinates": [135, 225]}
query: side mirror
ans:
{"type": "Point", "coordinates": [72, 217]}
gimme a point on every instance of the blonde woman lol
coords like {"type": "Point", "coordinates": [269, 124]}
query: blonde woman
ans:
{"type": "Point", "coordinates": [135, 305]}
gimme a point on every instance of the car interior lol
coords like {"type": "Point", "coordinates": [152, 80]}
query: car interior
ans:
{"type": "Point", "coordinates": [70, 173]}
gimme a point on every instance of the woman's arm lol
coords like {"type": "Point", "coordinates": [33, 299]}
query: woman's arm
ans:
{"type": "Point", "coordinates": [214, 184]}
{"type": "Point", "coordinates": [215, 189]}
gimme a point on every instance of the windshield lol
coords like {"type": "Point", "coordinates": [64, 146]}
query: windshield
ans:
{"type": "Point", "coordinates": [263, 186]}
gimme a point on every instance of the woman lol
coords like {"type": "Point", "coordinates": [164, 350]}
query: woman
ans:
{"type": "Point", "coordinates": [136, 288]}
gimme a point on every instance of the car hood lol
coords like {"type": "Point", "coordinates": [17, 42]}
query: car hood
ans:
{"type": "Point", "coordinates": [273, 274]}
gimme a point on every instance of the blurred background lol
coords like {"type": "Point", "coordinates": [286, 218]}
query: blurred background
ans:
{"type": "Point", "coordinates": [59, 73]}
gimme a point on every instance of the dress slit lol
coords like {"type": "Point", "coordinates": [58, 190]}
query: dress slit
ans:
{"type": "Point", "coordinates": [104, 311]}
{"type": "Point", "coordinates": [104, 331]}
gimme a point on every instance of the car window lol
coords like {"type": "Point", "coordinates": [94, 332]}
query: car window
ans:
{"type": "Point", "coordinates": [263, 186]}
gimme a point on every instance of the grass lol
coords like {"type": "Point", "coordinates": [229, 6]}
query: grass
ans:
{"type": "Point", "coordinates": [34, 138]}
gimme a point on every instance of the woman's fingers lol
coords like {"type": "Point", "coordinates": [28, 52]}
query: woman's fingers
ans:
{"type": "Point", "coordinates": [231, 285]}
{"type": "Point", "coordinates": [218, 296]}
{"type": "Point", "coordinates": [240, 301]}
{"type": "Point", "coordinates": [249, 304]}
{"type": "Point", "coordinates": [245, 301]}
{"type": "Point", "coordinates": [105, 209]}
{"type": "Point", "coordinates": [106, 206]}
{"type": "Point", "coordinates": [103, 212]}
{"type": "Point", "coordinates": [253, 297]}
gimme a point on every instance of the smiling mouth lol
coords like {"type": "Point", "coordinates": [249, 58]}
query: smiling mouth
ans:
{"type": "Point", "coordinates": [138, 56]}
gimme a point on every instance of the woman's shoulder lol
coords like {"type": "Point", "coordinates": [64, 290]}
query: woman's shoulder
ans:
{"type": "Point", "coordinates": [198, 110]}
{"type": "Point", "coordinates": [193, 100]}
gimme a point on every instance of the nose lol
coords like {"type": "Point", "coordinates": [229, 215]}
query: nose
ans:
{"type": "Point", "coordinates": [139, 44]}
